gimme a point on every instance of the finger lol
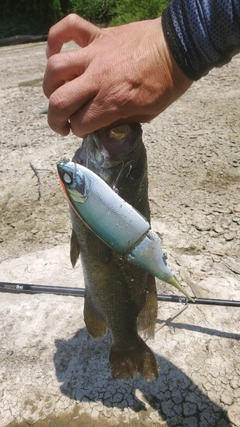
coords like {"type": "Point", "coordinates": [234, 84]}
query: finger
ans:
{"type": "Point", "coordinates": [62, 68]}
{"type": "Point", "coordinates": [92, 117]}
{"type": "Point", "coordinates": [84, 121]}
{"type": "Point", "coordinates": [66, 100]}
{"type": "Point", "coordinates": [72, 27]}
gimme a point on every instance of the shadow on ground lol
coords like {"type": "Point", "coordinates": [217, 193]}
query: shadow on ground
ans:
{"type": "Point", "coordinates": [203, 330]}
{"type": "Point", "coordinates": [82, 369]}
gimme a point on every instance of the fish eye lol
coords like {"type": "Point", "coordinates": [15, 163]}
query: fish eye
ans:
{"type": "Point", "coordinates": [67, 178]}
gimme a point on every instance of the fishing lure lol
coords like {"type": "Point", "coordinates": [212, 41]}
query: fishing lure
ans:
{"type": "Point", "coordinates": [114, 220]}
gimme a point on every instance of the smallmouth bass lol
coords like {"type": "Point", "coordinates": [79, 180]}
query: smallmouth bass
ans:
{"type": "Point", "coordinates": [119, 296]}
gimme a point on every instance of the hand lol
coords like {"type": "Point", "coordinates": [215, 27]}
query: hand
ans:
{"type": "Point", "coordinates": [120, 74]}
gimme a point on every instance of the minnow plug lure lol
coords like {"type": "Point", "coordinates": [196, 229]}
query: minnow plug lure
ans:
{"type": "Point", "coordinates": [114, 220]}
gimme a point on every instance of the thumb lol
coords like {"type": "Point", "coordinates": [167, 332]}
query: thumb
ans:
{"type": "Point", "coordinates": [71, 28]}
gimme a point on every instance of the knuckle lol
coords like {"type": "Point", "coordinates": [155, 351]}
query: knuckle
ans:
{"type": "Point", "coordinates": [73, 20]}
{"type": "Point", "coordinates": [56, 103]}
{"type": "Point", "coordinates": [53, 64]}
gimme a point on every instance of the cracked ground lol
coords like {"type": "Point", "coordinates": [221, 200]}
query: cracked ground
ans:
{"type": "Point", "coordinates": [51, 372]}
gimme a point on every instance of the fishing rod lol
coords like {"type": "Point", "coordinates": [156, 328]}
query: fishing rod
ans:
{"type": "Point", "coordinates": [79, 292]}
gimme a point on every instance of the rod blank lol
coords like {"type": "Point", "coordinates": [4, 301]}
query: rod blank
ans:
{"type": "Point", "coordinates": [79, 292]}
{"type": "Point", "coordinates": [38, 289]}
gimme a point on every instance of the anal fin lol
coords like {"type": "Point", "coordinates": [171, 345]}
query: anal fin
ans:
{"type": "Point", "coordinates": [148, 315]}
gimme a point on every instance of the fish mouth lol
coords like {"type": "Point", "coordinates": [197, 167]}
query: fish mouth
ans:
{"type": "Point", "coordinates": [63, 160]}
{"type": "Point", "coordinates": [114, 141]}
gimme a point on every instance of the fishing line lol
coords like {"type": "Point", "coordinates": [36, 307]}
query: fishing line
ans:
{"type": "Point", "coordinates": [120, 173]}
{"type": "Point", "coordinates": [75, 171]}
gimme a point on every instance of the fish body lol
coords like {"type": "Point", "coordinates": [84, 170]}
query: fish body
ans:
{"type": "Point", "coordinates": [119, 296]}
{"type": "Point", "coordinates": [111, 232]}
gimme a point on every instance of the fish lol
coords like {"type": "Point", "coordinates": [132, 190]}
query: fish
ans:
{"type": "Point", "coordinates": [107, 189]}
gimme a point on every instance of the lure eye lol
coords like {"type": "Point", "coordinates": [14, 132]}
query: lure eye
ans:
{"type": "Point", "coordinates": [67, 178]}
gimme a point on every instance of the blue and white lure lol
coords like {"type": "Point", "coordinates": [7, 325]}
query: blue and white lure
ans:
{"type": "Point", "coordinates": [114, 220]}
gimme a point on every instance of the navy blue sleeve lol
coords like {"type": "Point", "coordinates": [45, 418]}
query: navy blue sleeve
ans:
{"type": "Point", "coordinates": [202, 34]}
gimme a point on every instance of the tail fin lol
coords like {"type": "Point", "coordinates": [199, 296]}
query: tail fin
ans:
{"type": "Point", "coordinates": [129, 362]}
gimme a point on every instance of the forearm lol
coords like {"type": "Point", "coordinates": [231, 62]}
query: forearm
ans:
{"type": "Point", "coordinates": [202, 34]}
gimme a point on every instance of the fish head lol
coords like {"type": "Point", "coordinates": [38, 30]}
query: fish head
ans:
{"type": "Point", "coordinates": [117, 154]}
{"type": "Point", "coordinates": [75, 183]}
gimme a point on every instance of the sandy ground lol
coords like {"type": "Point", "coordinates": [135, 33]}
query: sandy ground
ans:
{"type": "Point", "coordinates": [51, 372]}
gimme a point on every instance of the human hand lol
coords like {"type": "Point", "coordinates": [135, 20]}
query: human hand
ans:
{"type": "Point", "coordinates": [121, 74]}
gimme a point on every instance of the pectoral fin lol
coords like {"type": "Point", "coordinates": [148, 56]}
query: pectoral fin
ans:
{"type": "Point", "coordinates": [74, 249]}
